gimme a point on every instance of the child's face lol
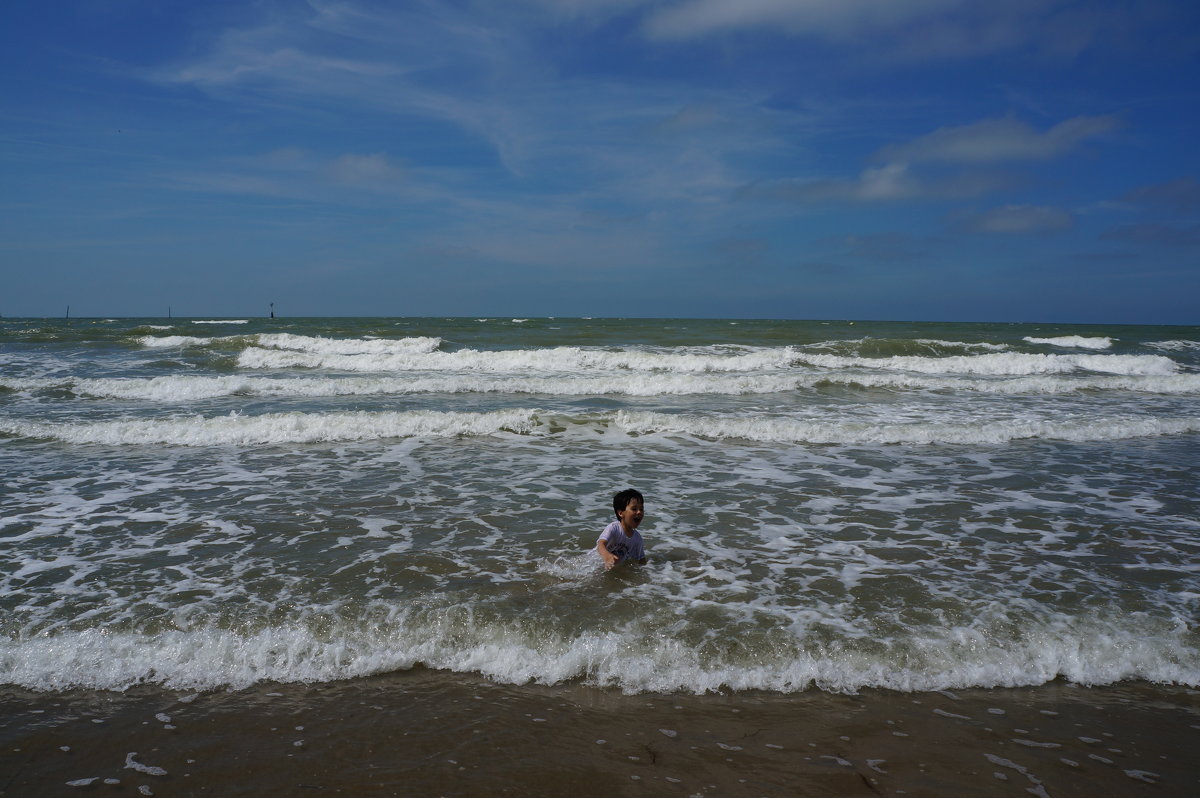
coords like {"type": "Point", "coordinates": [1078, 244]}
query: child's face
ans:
{"type": "Point", "coordinates": [631, 516]}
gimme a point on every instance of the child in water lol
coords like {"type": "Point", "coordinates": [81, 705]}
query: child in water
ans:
{"type": "Point", "coordinates": [620, 540]}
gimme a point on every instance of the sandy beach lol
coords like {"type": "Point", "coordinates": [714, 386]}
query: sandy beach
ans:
{"type": "Point", "coordinates": [427, 732]}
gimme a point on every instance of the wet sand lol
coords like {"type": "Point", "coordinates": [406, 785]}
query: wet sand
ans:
{"type": "Point", "coordinates": [433, 733]}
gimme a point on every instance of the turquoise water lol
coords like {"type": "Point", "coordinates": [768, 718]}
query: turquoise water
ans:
{"type": "Point", "coordinates": [207, 502]}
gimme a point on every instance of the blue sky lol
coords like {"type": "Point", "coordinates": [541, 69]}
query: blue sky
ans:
{"type": "Point", "coordinates": [1031, 160]}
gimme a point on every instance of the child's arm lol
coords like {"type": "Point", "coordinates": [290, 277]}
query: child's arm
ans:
{"type": "Point", "coordinates": [609, 558]}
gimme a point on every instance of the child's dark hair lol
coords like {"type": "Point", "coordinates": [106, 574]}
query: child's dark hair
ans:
{"type": "Point", "coordinates": [622, 499]}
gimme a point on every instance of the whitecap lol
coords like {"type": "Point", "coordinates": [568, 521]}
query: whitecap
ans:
{"type": "Point", "coordinates": [1072, 341]}
{"type": "Point", "coordinates": [787, 430]}
{"type": "Point", "coordinates": [275, 428]}
{"type": "Point", "coordinates": [167, 341]}
{"type": "Point", "coordinates": [350, 346]}
{"type": "Point", "coordinates": [1003, 364]}
{"type": "Point", "coordinates": [1174, 346]}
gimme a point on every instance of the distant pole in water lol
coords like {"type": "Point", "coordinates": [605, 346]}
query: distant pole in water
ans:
{"type": "Point", "coordinates": [168, 311]}
{"type": "Point", "coordinates": [68, 311]}
{"type": "Point", "coordinates": [272, 310]}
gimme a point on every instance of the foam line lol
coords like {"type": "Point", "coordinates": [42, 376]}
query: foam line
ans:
{"type": "Point", "coordinates": [782, 430]}
{"type": "Point", "coordinates": [187, 388]}
{"type": "Point", "coordinates": [576, 360]}
{"type": "Point", "coordinates": [1072, 341]}
{"type": "Point", "coordinates": [272, 428]}
{"type": "Point", "coordinates": [1083, 651]}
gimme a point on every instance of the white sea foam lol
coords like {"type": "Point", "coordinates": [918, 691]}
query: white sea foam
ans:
{"type": "Point", "coordinates": [222, 321]}
{"type": "Point", "coordinates": [983, 345]}
{"type": "Point", "coordinates": [299, 427]}
{"type": "Point", "coordinates": [1003, 364]}
{"type": "Point", "coordinates": [558, 359]}
{"type": "Point", "coordinates": [192, 388]}
{"type": "Point", "coordinates": [271, 428]}
{"type": "Point", "coordinates": [290, 351]}
{"type": "Point", "coordinates": [1072, 341]}
{"type": "Point", "coordinates": [1175, 346]}
{"type": "Point", "coordinates": [348, 346]}
{"type": "Point", "coordinates": [1033, 385]}
{"type": "Point", "coordinates": [169, 341]}
{"type": "Point", "coordinates": [1086, 652]}
{"type": "Point", "coordinates": [576, 360]}
{"type": "Point", "coordinates": [302, 343]}
{"type": "Point", "coordinates": [783, 430]}
{"type": "Point", "coordinates": [149, 770]}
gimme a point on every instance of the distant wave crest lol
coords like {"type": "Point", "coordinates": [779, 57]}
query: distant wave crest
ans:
{"type": "Point", "coordinates": [1073, 341]}
{"type": "Point", "coordinates": [269, 428]}
{"type": "Point", "coordinates": [187, 388]}
{"type": "Point", "coordinates": [782, 430]}
{"type": "Point", "coordinates": [299, 427]}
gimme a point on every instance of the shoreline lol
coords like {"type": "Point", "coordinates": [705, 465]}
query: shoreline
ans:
{"type": "Point", "coordinates": [425, 732]}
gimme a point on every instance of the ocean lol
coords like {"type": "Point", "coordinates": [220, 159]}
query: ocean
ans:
{"type": "Point", "coordinates": [833, 508]}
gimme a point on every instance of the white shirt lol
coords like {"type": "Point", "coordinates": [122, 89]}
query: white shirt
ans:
{"type": "Point", "coordinates": [620, 545]}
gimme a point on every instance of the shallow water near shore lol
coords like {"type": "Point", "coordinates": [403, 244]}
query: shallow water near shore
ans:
{"type": "Point", "coordinates": [836, 512]}
{"type": "Point", "coordinates": [217, 503]}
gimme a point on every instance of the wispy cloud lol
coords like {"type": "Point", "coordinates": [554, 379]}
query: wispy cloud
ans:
{"type": "Point", "coordinates": [1180, 196]}
{"type": "Point", "coordinates": [425, 62]}
{"type": "Point", "coordinates": [997, 141]}
{"type": "Point", "coordinates": [365, 170]}
{"type": "Point", "coordinates": [1018, 219]}
{"type": "Point", "coordinates": [297, 174]}
{"type": "Point", "coordinates": [919, 30]}
{"type": "Point", "coordinates": [950, 163]}
{"type": "Point", "coordinates": [833, 18]}
{"type": "Point", "coordinates": [888, 183]}
{"type": "Point", "coordinates": [449, 80]}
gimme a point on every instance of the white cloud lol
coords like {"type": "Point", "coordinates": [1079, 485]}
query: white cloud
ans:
{"type": "Point", "coordinates": [1019, 219]}
{"type": "Point", "coordinates": [948, 164]}
{"type": "Point", "coordinates": [832, 18]}
{"type": "Point", "coordinates": [998, 140]}
{"type": "Point", "coordinates": [917, 30]}
{"type": "Point", "coordinates": [361, 170]}
{"type": "Point", "coordinates": [891, 182]}
{"type": "Point", "coordinates": [469, 95]}
{"type": "Point", "coordinates": [297, 174]}
{"type": "Point", "coordinates": [597, 10]}
{"type": "Point", "coordinates": [426, 62]}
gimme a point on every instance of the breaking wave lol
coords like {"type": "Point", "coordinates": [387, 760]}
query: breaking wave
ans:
{"type": "Point", "coordinates": [299, 427]}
